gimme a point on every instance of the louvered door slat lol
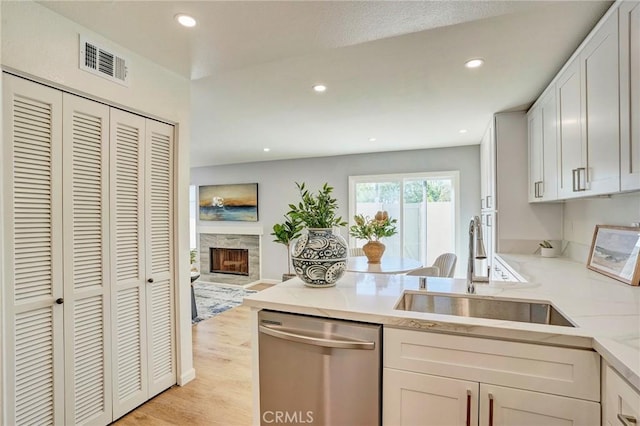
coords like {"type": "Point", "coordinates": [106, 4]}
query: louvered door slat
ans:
{"type": "Point", "coordinates": [130, 387]}
{"type": "Point", "coordinates": [32, 118]}
{"type": "Point", "coordinates": [31, 152]}
{"type": "Point", "coordinates": [130, 378]}
{"type": "Point", "coordinates": [160, 309]}
{"type": "Point", "coordinates": [87, 287]}
{"type": "Point", "coordinates": [34, 367]}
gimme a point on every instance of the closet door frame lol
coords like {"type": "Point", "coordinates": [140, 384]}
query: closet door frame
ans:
{"type": "Point", "coordinates": [183, 371]}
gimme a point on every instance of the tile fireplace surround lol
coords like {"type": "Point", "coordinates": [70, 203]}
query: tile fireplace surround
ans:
{"type": "Point", "coordinates": [233, 241]}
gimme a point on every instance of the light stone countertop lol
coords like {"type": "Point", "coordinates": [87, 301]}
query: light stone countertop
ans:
{"type": "Point", "coordinates": [606, 312]}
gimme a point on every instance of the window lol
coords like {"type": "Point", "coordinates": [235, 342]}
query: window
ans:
{"type": "Point", "coordinates": [425, 204]}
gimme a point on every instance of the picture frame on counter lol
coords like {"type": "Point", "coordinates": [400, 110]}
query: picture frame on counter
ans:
{"type": "Point", "coordinates": [615, 252]}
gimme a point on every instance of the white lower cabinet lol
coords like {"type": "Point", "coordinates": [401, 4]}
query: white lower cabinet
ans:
{"type": "Point", "coordinates": [502, 406]}
{"type": "Point", "coordinates": [421, 399]}
{"type": "Point", "coordinates": [620, 401]}
{"type": "Point", "coordinates": [439, 379]}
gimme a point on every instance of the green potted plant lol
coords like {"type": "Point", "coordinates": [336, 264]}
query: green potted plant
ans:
{"type": "Point", "coordinates": [193, 255]}
{"type": "Point", "coordinates": [319, 256]}
{"type": "Point", "coordinates": [284, 234]}
{"type": "Point", "coordinates": [373, 230]}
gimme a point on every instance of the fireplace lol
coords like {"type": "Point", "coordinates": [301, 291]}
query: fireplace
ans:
{"type": "Point", "coordinates": [229, 261]}
{"type": "Point", "coordinates": [229, 273]}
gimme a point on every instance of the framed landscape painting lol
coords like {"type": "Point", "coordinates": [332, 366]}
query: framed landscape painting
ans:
{"type": "Point", "coordinates": [235, 202]}
{"type": "Point", "coordinates": [615, 252]}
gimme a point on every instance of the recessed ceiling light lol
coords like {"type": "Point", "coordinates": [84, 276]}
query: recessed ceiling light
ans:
{"type": "Point", "coordinates": [474, 63]}
{"type": "Point", "coordinates": [185, 20]}
{"type": "Point", "coordinates": [372, 139]}
{"type": "Point", "coordinates": [463, 130]}
{"type": "Point", "coordinates": [320, 88]}
{"type": "Point", "coordinates": [267, 149]}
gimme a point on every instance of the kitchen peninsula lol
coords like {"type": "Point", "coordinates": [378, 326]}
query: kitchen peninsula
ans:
{"type": "Point", "coordinates": [606, 315]}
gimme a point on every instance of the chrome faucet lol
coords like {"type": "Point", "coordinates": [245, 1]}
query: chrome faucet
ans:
{"type": "Point", "coordinates": [476, 251]}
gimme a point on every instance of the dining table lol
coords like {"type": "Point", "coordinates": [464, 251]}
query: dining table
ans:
{"type": "Point", "coordinates": [387, 265]}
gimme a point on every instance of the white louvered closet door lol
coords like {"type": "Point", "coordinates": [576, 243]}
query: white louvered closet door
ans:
{"type": "Point", "coordinates": [32, 138]}
{"type": "Point", "coordinates": [128, 281]}
{"type": "Point", "coordinates": [159, 239]}
{"type": "Point", "coordinates": [86, 262]}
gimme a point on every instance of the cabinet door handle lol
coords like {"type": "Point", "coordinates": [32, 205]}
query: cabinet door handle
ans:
{"type": "Point", "coordinates": [540, 189]}
{"type": "Point", "coordinates": [624, 419]}
{"type": "Point", "coordinates": [469, 408]}
{"type": "Point", "coordinates": [582, 178]}
{"type": "Point", "coordinates": [482, 203]}
{"type": "Point", "coordinates": [489, 224]}
{"type": "Point", "coordinates": [488, 202]}
{"type": "Point", "coordinates": [573, 178]}
{"type": "Point", "coordinates": [150, 280]}
{"type": "Point", "coordinates": [59, 301]}
{"type": "Point", "coordinates": [490, 409]}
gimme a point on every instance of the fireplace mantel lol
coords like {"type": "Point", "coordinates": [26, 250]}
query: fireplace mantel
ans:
{"type": "Point", "coordinates": [232, 229]}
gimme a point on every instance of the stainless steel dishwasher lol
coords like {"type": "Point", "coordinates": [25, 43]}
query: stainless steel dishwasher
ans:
{"type": "Point", "coordinates": [316, 371]}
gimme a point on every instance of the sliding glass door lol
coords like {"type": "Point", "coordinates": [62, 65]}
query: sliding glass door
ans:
{"type": "Point", "coordinates": [425, 205]}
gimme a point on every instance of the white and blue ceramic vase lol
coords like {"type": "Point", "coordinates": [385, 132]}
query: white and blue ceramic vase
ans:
{"type": "Point", "coordinates": [320, 257]}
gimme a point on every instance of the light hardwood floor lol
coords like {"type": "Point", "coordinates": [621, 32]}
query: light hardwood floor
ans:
{"type": "Point", "coordinates": [221, 392]}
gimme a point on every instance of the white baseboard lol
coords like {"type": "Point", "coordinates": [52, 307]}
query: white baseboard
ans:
{"type": "Point", "coordinates": [185, 378]}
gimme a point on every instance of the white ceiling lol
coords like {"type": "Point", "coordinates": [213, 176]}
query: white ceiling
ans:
{"type": "Point", "coordinates": [394, 69]}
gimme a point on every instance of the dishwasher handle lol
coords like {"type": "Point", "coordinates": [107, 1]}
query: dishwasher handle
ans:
{"type": "Point", "coordinates": [279, 333]}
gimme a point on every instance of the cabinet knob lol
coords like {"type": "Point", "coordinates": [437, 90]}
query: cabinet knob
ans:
{"type": "Point", "coordinates": [150, 280]}
{"type": "Point", "coordinates": [59, 300]}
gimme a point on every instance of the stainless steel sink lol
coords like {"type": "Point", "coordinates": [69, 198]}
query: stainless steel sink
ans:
{"type": "Point", "coordinates": [481, 307]}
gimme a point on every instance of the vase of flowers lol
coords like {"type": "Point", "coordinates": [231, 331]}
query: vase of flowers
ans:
{"type": "Point", "coordinates": [373, 230]}
{"type": "Point", "coordinates": [320, 256]}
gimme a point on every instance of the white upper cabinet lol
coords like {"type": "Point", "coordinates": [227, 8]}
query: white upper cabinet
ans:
{"type": "Point", "coordinates": [570, 140]}
{"type": "Point", "coordinates": [487, 169]}
{"type": "Point", "coordinates": [588, 98]}
{"type": "Point", "coordinates": [543, 172]}
{"type": "Point", "coordinates": [534, 125]}
{"type": "Point", "coordinates": [600, 108]}
{"type": "Point", "coordinates": [589, 121]}
{"type": "Point", "coordinates": [629, 31]}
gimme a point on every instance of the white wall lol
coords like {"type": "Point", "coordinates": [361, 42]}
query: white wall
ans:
{"type": "Point", "coordinates": [277, 188]}
{"type": "Point", "coordinates": [581, 217]}
{"type": "Point", "coordinates": [44, 46]}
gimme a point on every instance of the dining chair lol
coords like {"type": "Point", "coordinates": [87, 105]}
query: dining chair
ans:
{"type": "Point", "coordinates": [446, 262]}
{"type": "Point", "coordinates": [356, 251]}
{"type": "Point", "coordinates": [426, 271]}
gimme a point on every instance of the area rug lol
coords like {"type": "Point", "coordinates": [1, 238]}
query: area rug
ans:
{"type": "Point", "coordinates": [213, 299]}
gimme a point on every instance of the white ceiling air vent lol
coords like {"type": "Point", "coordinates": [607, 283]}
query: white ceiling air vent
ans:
{"type": "Point", "coordinates": [103, 62]}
